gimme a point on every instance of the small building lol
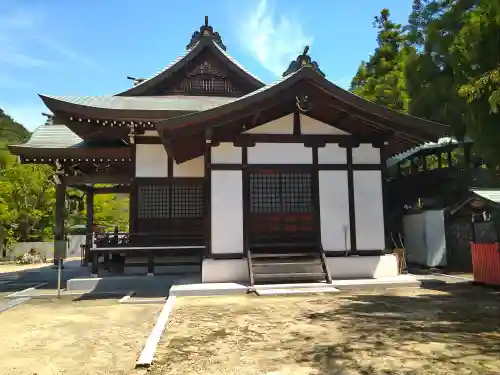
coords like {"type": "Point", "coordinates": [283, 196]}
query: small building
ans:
{"type": "Point", "coordinates": [231, 170]}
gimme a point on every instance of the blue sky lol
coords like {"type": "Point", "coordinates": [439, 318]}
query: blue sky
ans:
{"type": "Point", "coordinates": [88, 47]}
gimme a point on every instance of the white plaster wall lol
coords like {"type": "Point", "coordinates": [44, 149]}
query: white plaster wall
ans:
{"type": "Point", "coordinates": [279, 153]}
{"type": "Point", "coordinates": [369, 210]}
{"type": "Point", "coordinates": [226, 153]}
{"type": "Point", "coordinates": [224, 270]}
{"type": "Point", "coordinates": [309, 125]}
{"type": "Point", "coordinates": [151, 161]}
{"type": "Point", "coordinates": [334, 203]}
{"type": "Point", "coordinates": [366, 154]}
{"type": "Point", "coordinates": [283, 125]}
{"type": "Point", "coordinates": [332, 154]}
{"type": "Point", "coordinates": [362, 267]}
{"type": "Point", "coordinates": [227, 212]}
{"type": "Point", "coordinates": [47, 248]}
{"type": "Point", "coordinates": [190, 168]}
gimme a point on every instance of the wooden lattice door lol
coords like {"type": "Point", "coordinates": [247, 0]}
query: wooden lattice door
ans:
{"type": "Point", "coordinates": [280, 207]}
{"type": "Point", "coordinates": [174, 212]}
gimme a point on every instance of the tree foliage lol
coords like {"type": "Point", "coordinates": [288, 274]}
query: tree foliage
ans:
{"type": "Point", "coordinates": [381, 78]}
{"type": "Point", "coordinates": [27, 195]}
{"type": "Point", "coordinates": [443, 65]}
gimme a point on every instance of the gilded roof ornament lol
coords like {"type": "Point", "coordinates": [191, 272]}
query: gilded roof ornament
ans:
{"type": "Point", "coordinates": [303, 60]}
{"type": "Point", "coordinates": [206, 31]}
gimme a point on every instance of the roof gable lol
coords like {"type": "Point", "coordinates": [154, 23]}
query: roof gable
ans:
{"type": "Point", "coordinates": [204, 69]}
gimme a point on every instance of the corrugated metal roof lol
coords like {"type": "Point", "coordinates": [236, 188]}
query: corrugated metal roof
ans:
{"type": "Point", "coordinates": [53, 136]}
{"type": "Point", "coordinates": [489, 194]}
{"type": "Point", "coordinates": [150, 103]}
{"type": "Point", "coordinates": [442, 142]}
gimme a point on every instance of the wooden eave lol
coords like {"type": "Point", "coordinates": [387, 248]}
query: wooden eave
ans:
{"type": "Point", "coordinates": [77, 110]}
{"type": "Point", "coordinates": [168, 73]}
{"type": "Point", "coordinates": [278, 99]}
{"type": "Point", "coordinates": [72, 152]}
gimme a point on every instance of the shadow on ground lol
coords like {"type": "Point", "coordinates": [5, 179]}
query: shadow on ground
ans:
{"type": "Point", "coordinates": [453, 329]}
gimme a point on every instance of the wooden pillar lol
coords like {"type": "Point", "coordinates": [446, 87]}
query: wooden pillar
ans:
{"type": "Point", "coordinates": [207, 195]}
{"type": "Point", "coordinates": [352, 211]}
{"type": "Point", "coordinates": [59, 216]}
{"type": "Point", "coordinates": [315, 195]}
{"type": "Point", "coordinates": [385, 208]}
{"type": "Point", "coordinates": [89, 203]}
{"type": "Point", "coordinates": [440, 160]}
{"type": "Point", "coordinates": [448, 157]}
{"type": "Point", "coordinates": [467, 155]}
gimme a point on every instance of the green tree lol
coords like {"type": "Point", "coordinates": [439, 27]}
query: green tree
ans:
{"type": "Point", "coordinates": [381, 79]}
{"type": "Point", "coordinates": [433, 77]}
{"type": "Point", "coordinates": [477, 47]}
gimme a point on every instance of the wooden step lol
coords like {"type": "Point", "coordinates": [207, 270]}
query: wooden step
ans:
{"type": "Point", "coordinates": [284, 255]}
{"type": "Point", "coordinates": [287, 263]}
{"type": "Point", "coordinates": [290, 276]}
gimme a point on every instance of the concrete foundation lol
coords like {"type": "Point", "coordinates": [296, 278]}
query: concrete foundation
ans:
{"type": "Point", "coordinates": [352, 267]}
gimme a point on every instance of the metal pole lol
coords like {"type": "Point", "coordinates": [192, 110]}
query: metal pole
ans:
{"type": "Point", "coordinates": [59, 279]}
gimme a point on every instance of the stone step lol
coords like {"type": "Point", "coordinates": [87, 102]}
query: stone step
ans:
{"type": "Point", "coordinates": [294, 291]}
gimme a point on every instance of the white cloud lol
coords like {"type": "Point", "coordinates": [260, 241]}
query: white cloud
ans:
{"type": "Point", "coordinates": [27, 114]}
{"type": "Point", "coordinates": [273, 41]}
{"type": "Point", "coordinates": [23, 35]}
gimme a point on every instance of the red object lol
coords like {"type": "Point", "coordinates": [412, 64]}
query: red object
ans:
{"type": "Point", "coordinates": [486, 263]}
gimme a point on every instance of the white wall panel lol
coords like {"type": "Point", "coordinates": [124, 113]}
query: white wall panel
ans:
{"type": "Point", "coordinates": [190, 168]}
{"type": "Point", "coordinates": [366, 154]}
{"type": "Point", "coordinates": [309, 125]}
{"type": "Point", "coordinates": [334, 203]}
{"type": "Point", "coordinates": [369, 210]}
{"type": "Point", "coordinates": [279, 153]}
{"type": "Point", "coordinates": [282, 125]}
{"type": "Point", "coordinates": [227, 212]}
{"type": "Point", "coordinates": [151, 161]}
{"type": "Point", "coordinates": [226, 153]}
{"type": "Point", "coordinates": [332, 154]}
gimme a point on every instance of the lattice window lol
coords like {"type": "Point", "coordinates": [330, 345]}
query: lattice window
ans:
{"type": "Point", "coordinates": [153, 202]}
{"type": "Point", "coordinates": [187, 201]}
{"type": "Point", "coordinates": [296, 192]}
{"type": "Point", "coordinates": [280, 192]}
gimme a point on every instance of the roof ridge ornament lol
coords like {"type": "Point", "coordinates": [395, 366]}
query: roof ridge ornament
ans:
{"type": "Point", "coordinates": [303, 61]}
{"type": "Point", "coordinates": [206, 31]}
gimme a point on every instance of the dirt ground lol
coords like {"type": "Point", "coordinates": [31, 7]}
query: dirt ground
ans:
{"type": "Point", "coordinates": [454, 330]}
{"type": "Point", "coordinates": [48, 337]}
{"type": "Point", "coordinates": [9, 266]}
